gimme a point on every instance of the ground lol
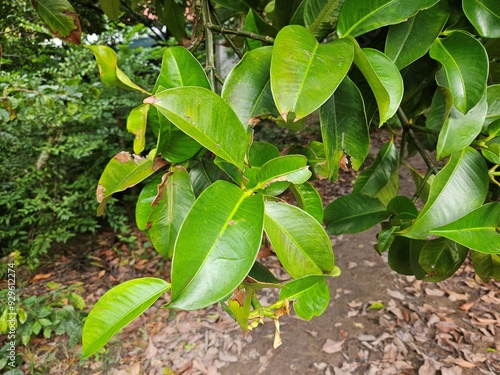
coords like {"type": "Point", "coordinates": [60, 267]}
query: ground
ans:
{"type": "Point", "coordinates": [378, 322]}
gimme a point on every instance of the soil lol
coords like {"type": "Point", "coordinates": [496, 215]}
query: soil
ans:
{"type": "Point", "coordinates": [378, 322]}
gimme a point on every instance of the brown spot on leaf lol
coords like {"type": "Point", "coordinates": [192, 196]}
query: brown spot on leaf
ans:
{"type": "Point", "coordinates": [344, 162]}
{"type": "Point", "coordinates": [159, 163]}
{"type": "Point", "coordinates": [123, 157]}
{"type": "Point", "coordinates": [150, 100]}
{"type": "Point", "coordinates": [100, 193]}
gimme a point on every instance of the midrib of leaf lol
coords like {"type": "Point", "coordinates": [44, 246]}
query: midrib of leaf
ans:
{"type": "Point", "coordinates": [49, 10]}
{"type": "Point", "coordinates": [323, 16]}
{"type": "Point", "coordinates": [217, 240]}
{"type": "Point", "coordinates": [368, 16]}
{"type": "Point", "coordinates": [259, 97]}
{"type": "Point", "coordinates": [124, 183]}
{"type": "Point", "coordinates": [293, 240]}
{"type": "Point", "coordinates": [457, 68]}
{"type": "Point", "coordinates": [306, 73]}
{"type": "Point", "coordinates": [412, 21]}
{"type": "Point", "coordinates": [486, 8]}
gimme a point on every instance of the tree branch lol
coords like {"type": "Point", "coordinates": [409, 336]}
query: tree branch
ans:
{"type": "Point", "coordinates": [246, 34]}
{"type": "Point", "coordinates": [209, 43]}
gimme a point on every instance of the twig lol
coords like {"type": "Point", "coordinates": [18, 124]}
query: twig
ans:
{"type": "Point", "coordinates": [209, 43]}
{"type": "Point", "coordinates": [225, 36]}
{"type": "Point", "coordinates": [246, 34]}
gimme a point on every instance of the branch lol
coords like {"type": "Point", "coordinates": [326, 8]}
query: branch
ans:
{"type": "Point", "coordinates": [209, 43]}
{"type": "Point", "coordinates": [227, 39]}
{"type": "Point", "coordinates": [246, 34]}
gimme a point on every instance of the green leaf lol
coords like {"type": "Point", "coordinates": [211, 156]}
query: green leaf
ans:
{"type": "Point", "coordinates": [493, 97]}
{"type": "Point", "coordinates": [61, 19]}
{"type": "Point", "coordinates": [373, 179]}
{"type": "Point", "coordinates": [180, 68]}
{"type": "Point", "coordinates": [284, 11]}
{"type": "Point", "coordinates": [117, 308]}
{"type": "Point", "coordinates": [144, 203]}
{"type": "Point", "coordinates": [460, 130]}
{"type": "Point", "coordinates": [360, 16]}
{"type": "Point", "coordinates": [410, 40]}
{"type": "Point", "coordinates": [171, 14]}
{"type": "Point", "coordinates": [487, 266]}
{"type": "Point", "coordinates": [484, 15]}
{"type": "Point", "coordinates": [309, 200]}
{"type": "Point", "coordinates": [247, 87]}
{"type": "Point", "coordinates": [254, 23]}
{"type": "Point", "coordinates": [111, 8]}
{"type": "Point", "coordinates": [402, 208]}
{"type": "Point", "coordinates": [459, 188]}
{"type": "Point", "coordinates": [354, 213]}
{"type": "Point", "coordinates": [492, 152]}
{"type": "Point", "coordinates": [122, 172]}
{"type": "Point", "coordinates": [261, 152]}
{"type": "Point", "coordinates": [170, 207]}
{"type": "Point", "coordinates": [320, 16]}
{"type": "Point", "coordinates": [203, 173]}
{"type": "Point", "coordinates": [136, 124]}
{"type": "Point", "coordinates": [440, 109]}
{"type": "Point", "coordinates": [310, 296]}
{"type": "Point", "coordinates": [207, 118]}
{"type": "Point", "coordinates": [478, 230]}
{"type": "Point", "coordinates": [298, 69]}
{"type": "Point", "coordinates": [300, 242]}
{"type": "Point", "coordinates": [111, 75]}
{"type": "Point", "coordinates": [290, 168]}
{"type": "Point", "coordinates": [261, 274]}
{"type": "Point", "coordinates": [399, 256]}
{"type": "Point", "coordinates": [239, 5]}
{"type": "Point", "coordinates": [344, 128]}
{"type": "Point", "coordinates": [464, 68]}
{"type": "Point", "coordinates": [441, 258]}
{"type": "Point", "coordinates": [217, 246]}
{"type": "Point", "coordinates": [383, 77]}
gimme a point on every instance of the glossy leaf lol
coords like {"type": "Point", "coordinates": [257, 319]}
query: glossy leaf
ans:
{"type": "Point", "coordinates": [402, 208]}
{"type": "Point", "coordinates": [478, 230]}
{"type": "Point", "coordinates": [122, 172]}
{"type": "Point", "coordinates": [310, 296]}
{"type": "Point", "coordinates": [484, 15]}
{"type": "Point", "coordinates": [493, 98]}
{"type": "Point", "coordinates": [459, 188]}
{"type": "Point", "coordinates": [290, 168]}
{"type": "Point", "coordinates": [309, 200]}
{"type": "Point", "coordinates": [299, 240]}
{"type": "Point", "coordinates": [227, 225]}
{"type": "Point", "coordinates": [383, 77]}
{"type": "Point", "coordinates": [180, 68]}
{"type": "Point", "coordinates": [354, 213]}
{"type": "Point", "coordinates": [172, 203]}
{"type": "Point", "coordinates": [136, 124]}
{"type": "Point", "coordinates": [487, 266]}
{"type": "Point", "coordinates": [441, 258]}
{"type": "Point", "coordinates": [111, 8]}
{"type": "Point", "coordinates": [492, 152]}
{"type": "Point", "coordinates": [239, 5]}
{"type": "Point", "coordinates": [145, 201]}
{"type": "Point", "coordinates": [247, 88]}
{"type": "Point", "coordinates": [171, 14]}
{"type": "Point", "coordinates": [261, 152]}
{"type": "Point", "coordinates": [111, 75]}
{"type": "Point", "coordinates": [344, 128]}
{"type": "Point", "coordinates": [117, 308]}
{"type": "Point", "coordinates": [373, 179]}
{"type": "Point", "coordinates": [399, 256]}
{"type": "Point", "coordinates": [203, 173]}
{"type": "Point", "coordinates": [205, 117]}
{"type": "Point", "coordinates": [298, 69]}
{"type": "Point", "coordinates": [284, 11]}
{"type": "Point", "coordinates": [440, 109]}
{"type": "Point", "coordinates": [60, 18]}
{"type": "Point", "coordinates": [410, 40]}
{"type": "Point", "coordinates": [254, 23]}
{"type": "Point", "coordinates": [320, 16]}
{"type": "Point", "coordinates": [464, 68]}
{"type": "Point", "coordinates": [360, 16]}
{"type": "Point", "coordinates": [460, 130]}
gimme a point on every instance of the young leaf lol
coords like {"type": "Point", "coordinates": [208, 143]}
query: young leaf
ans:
{"type": "Point", "coordinates": [320, 16]}
{"type": "Point", "coordinates": [247, 87]}
{"type": "Point", "coordinates": [310, 296]}
{"type": "Point", "coordinates": [354, 213]}
{"type": "Point", "coordinates": [373, 179]}
{"type": "Point", "coordinates": [136, 124]}
{"type": "Point", "coordinates": [410, 40]}
{"type": "Point", "coordinates": [172, 203]}
{"type": "Point", "coordinates": [227, 225]}
{"type": "Point", "coordinates": [309, 200]}
{"type": "Point", "coordinates": [441, 258]}
{"type": "Point", "coordinates": [122, 172]}
{"type": "Point", "coordinates": [61, 19]}
{"type": "Point", "coordinates": [205, 117]}
{"type": "Point", "coordinates": [111, 75]}
{"type": "Point", "coordinates": [459, 130]}
{"type": "Point", "coordinates": [290, 168]}
{"type": "Point", "coordinates": [344, 128]}
{"type": "Point", "coordinates": [484, 15]}
{"type": "Point", "coordinates": [180, 68]}
{"type": "Point", "coordinates": [298, 69]}
{"type": "Point", "coordinates": [487, 266]}
{"type": "Point", "coordinates": [360, 16]}
{"type": "Point", "coordinates": [459, 188]}
{"type": "Point", "coordinates": [478, 230]}
{"type": "Point", "coordinates": [383, 77]}
{"type": "Point", "coordinates": [464, 70]}
{"type": "Point", "coordinates": [299, 240]}
{"type": "Point", "coordinates": [117, 308]}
